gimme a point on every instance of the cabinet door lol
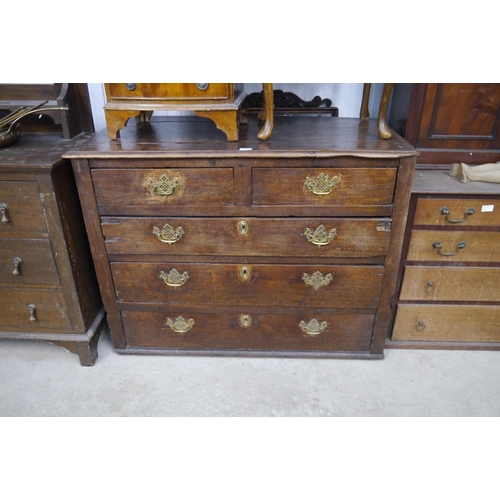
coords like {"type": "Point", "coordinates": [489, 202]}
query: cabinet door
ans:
{"type": "Point", "coordinates": [460, 115]}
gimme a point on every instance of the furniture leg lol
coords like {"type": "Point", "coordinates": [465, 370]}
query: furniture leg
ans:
{"type": "Point", "coordinates": [227, 121]}
{"type": "Point", "coordinates": [383, 129]}
{"type": "Point", "coordinates": [364, 114]}
{"type": "Point", "coordinates": [117, 119]}
{"type": "Point", "coordinates": [267, 112]}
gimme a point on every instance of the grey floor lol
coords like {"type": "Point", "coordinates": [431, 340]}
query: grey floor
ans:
{"type": "Point", "coordinates": [38, 379]}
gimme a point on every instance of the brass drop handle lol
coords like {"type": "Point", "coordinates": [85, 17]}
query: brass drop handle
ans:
{"type": "Point", "coordinates": [4, 210]}
{"type": "Point", "coordinates": [174, 278]}
{"type": "Point", "coordinates": [32, 310]}
{"type": "Point", "coordinates": [461, 245]}
{"type": "Point", "coordinates": [429, 287]}
{"type": "Point", "coordinates": [180, 325]}
{"type": "Point", "coordinates": [320, 236]}
{"type": "Point", "coordinates": [446, 212]}
{"type": "Point", "coordinates": [202, 86]}
{"type": "Point", "coordinates": [322, 184]}
{"type": "Point", "coordinates": [314, 327]}
{"type": "Point", "coordinates": [130, 86]}
{"type": "Point", "coordinates": [420, 326]}
{"type": "Point", "coordinates": [17, 266]}
{"type": "Point", "coordinates": [168, 234]}
{"type": "Point", "coordinates": [164, 186]}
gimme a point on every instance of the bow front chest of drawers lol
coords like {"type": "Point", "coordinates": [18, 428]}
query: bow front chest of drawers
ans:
{"type": "Point", "coordinates": [286, 248]}
{"type": "Point", "coordinates": [48, 285]}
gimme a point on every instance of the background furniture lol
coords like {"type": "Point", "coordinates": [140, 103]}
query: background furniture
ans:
{"type": "Point", "coordinates": [71, 122]}
{"type": "Point", "coordinates": [48, 284]}
{"type": "Point", "coordinates": [449, 122]}
{"type": "Point", "coordinates": [288, 248]}
{"type": "Point", "coordinates": [449, 293]}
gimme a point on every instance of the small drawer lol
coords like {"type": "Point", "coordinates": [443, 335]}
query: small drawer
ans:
{"type": "Point", "coordinates": [457, 212]}
{"type": "Point", "coordinates": [481, 284]}
{"type": "Point", "coordinates": [27, 261]}
{"type": "Point", "coordinates": [243, 331]}
{"type": "Point", "coordinates": [327, 186]}
{"type": "Point", "coordinates": [297, 237]}
{"type": "Point", "coordinates": [454, 246]}
{"type": "Point", "coordinates": [447, 323]}
{"type": "Point", "coordinates": [164, 187]}
{"type": "Point", "coordinates": [48, 313]}
{"type": "Point", "coordinates": [168, 91]}
{"type": "Point", "coordinates": [20, 208]}
{"type": "Point", "coordinates": [249, 284]}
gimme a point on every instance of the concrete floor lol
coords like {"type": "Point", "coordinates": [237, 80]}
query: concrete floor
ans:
{"type": "Point", "coordinates": [38, 379]}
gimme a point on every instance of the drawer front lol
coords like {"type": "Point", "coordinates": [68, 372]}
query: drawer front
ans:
{"type": "Point", "coordinates": [21, 208]}
{"type": "Point", "coordinates": [164, 187]}
{"type": "Point", "coordinates": [327, 186]}
{"type": "Point", "coordinates": [249, 284]}
{"type": "Point", "coordinates": [246, 237]}
{"type": "Point", "coordinates": [480, 284]}
{"type": "Point", "coordinates": [455, 212]}
{"type": "Point", "coordinates": [166, 91]}
{"type": "Point", "coordinates": [241, 331]}
{"type": "Point", "coordinates": [454, 246]}
{"type": "Point", "coordinates": [459, 323]}
{"type": "Point", "coordinates": [27, 261]}
{"type": "Point", "coordinates": [49, 315]}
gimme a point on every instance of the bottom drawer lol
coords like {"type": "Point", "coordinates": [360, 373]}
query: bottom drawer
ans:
{"type": "Point", "coordinates": [49, 312]}
{"type": "Point", "coordinates": [441, 323]}
{"type": "Point", "coordinates": [291, 332]}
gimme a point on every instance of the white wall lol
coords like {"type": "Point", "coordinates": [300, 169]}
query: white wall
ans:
{"type": "Point", "coordinates": [345, 96]}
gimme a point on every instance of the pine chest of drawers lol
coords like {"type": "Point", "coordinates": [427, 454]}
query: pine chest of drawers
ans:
{"type": "Point", "coordinates": [48, 285]}
{"type": "Point", "coordinates": [450, 288]}
{"type": "Point", "coordinates": [286, 248]}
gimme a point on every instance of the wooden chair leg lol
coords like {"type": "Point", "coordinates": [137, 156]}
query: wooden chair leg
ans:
{"type": "Point", "coordinates": [364, 114]}
{"type": "Point", "coordinates": [267, 113]}
{"type": "Point", "coordinates": [383, 130]}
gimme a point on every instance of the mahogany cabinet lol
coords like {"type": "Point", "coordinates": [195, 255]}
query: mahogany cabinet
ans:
{"type": "Point", "coordinates": [284, 248]}
{"type": "Point", "coordinates": [449, 293]}
{"type": "Point", "coordinates": [449, 122]}
{"type": "Point", "coordinates": [48, 285]}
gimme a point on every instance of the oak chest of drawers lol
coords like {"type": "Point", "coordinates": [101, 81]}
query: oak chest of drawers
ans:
{"type": "Point", "coordinates": [48, 285]}
{"type": "Point", "coordinates": [286, 248]}
{"type": "Point", "coordinates": [450, 288]}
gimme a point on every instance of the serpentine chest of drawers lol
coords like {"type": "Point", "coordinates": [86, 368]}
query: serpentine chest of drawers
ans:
{"type": "Point", "coordinates": [48, 285]}
{"type": "Point", "coordinates": [285, 248]}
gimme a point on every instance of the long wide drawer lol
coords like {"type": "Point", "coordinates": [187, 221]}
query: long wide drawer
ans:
{"type": "Point", "coordinates": [453, 212]}
{"type": "Point", "coordinates": [166, 91]}
{"type": "Point", "coordinates": [249, 284]}
{"type": "Point", "coordinates": [27, 261]}
{"type": "Point", "coordinates": [33, 309]}
{"type": "Point", "coordinates": [247, 237]}
{"type": "Point", "coordinates": [327, 186]}
{"type": "Point", "coordinates": [164, 187]}
{"type": "Point", "coordinates": [481, 284]}
{"type": "Point", "coordinates": [454, 246]}
{"type": "Point", "coordinates": [459, 323]}
{"type": "Point", "coordinates": [290, 332]}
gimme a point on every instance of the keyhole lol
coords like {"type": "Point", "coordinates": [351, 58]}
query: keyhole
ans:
{"type": "Point", "coordinates": [243, 227]}
{"type": "Point", "coordinates": [245, 272]}
{"type": "Point", "coordinates": [245, 320]}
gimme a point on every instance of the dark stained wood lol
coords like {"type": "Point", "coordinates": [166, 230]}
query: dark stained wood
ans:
{"type": "Point", "coordinates": [243, 182]}
{"type": "Point", "coordinates": [46, 232]}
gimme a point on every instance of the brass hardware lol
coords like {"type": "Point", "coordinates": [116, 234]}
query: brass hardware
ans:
{"type": "Point", "coordinates": [32, 310]}
{"type": "Point", "coordinates": [202, 86]}
{"type": "Point", "coordinates": [164, 186]}
{"type": "Point", "coordinates": [130, 86]}
{"type": "Point", "coordinates": [245, 320]}
{"type": "Point", "coordinates": [4, 210]}
{"type": "Point", "coordinates": [438, 246]}
{"type": "Point", "coordinates": [322, 185]}
{"type": "Point", "coordinates": [320, 236]}
{"type": "Point", "coordinates": [446, 212]}
{"type": "Point", "coordinates": [314, 327]}
{"type": "Point", "coordinates": [243, 227]}
{"type": "Point", "coordinates": [429, 287]}
{"type": "Point", "coordinates": [420, 326]}
{"type": "Point", "coordinates": [180, 325]}
{"type": "Point", "coordinates": [245, 272]}
{"type": "Point", "coordinates": [317, 280]}
{"type": "Point", "coordinates": [174, 277]}
{"type": "Point", "coordinates": [17, 266]}
{"type": "Point", "coordinates": [168, 234]}
{"type": "Point", "coordinates": [384, 226]}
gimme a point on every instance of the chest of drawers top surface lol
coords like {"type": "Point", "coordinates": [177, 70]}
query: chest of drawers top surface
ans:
{"type": "Point", "coordinates": [302, 137]}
